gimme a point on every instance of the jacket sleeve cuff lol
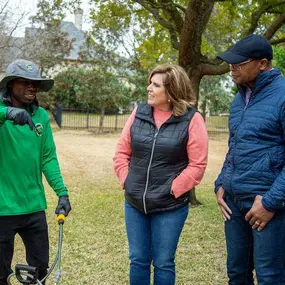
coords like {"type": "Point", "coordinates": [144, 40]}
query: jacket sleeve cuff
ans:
{"type": "Point", "coordinates": [122, 178]}
{"type": "Point", "coordinates": [217, 187]}
{"type": "Point", "coordinates": [63, 192]}
{"type": "Point", "coordinates": [266, 205]}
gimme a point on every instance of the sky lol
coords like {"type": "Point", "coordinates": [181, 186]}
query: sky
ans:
{"type": "Point", "coordinates": [29, 8]}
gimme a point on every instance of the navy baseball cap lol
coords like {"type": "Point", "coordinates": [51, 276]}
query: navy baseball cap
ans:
{"type": "Point", "coordinates": [250, 47]}
{"type": "Point", "coordinates": [22, 68]}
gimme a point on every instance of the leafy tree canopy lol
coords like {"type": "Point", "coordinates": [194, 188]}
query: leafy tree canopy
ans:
{"type": "Point", "coordinates": [215, 95]}
{"type": "Point", "coordinates": [279, 58]}
{"type": "Point", "coordinates": [93, 88]}
{"type": "Point", "coordinates": [190, 33]}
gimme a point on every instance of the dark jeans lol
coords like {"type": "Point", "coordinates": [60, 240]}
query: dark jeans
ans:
{"type": "Point", "coordinates": [34, 232]}
{"type": "Point", "coordinates": [250, 249]}
{"type": "Point", "coordinates": [153, 238]}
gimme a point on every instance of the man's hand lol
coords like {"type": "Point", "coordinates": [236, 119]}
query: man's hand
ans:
{"type": "Point", "coordinates": [258, 216]}
{"type": "Point", "coordinates": [225, 210]}
{"type": "Point", "coordinates": [63, 204]}
{"type": "Point", "coordinates": [19, 117]}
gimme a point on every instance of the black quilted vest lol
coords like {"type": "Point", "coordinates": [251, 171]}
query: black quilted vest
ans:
{"type": "Point", "coordinates": [158, 157]}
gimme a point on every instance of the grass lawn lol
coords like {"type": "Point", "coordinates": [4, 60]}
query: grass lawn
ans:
{"type": "Point", "coordinates": [95, 247]}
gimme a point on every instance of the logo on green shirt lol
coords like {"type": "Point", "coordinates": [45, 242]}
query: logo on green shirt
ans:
{"type": "Point", "coordinates": [39, 129]}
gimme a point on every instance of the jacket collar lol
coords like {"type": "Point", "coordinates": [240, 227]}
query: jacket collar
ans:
{"type": "Point", "coordinates": [145, 111]}
{"type": "Point", "coordinates": [263, 79]}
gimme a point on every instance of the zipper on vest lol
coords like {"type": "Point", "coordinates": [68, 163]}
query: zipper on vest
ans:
{"type": "Point", "coordinates": [148, 170]}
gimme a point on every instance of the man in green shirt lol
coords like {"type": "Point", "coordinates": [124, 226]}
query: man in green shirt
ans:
{"type": "Point", "coordinates": [27, 151]}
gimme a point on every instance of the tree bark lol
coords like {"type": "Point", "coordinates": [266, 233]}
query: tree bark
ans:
{"type": "Point", "coordinates": [193, 199]}
{"type": "Point", "coordinates": [101, 120]}
{"type": "Point", "coordinates": [195, 78]}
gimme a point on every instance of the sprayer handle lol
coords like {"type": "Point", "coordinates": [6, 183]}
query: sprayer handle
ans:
{"type": "Point", "coordinates": [26, 274]}
{"type": "Point", "coordinates": [61, 216]}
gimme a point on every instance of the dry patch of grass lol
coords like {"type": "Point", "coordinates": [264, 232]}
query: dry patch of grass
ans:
{"type": "Point", "coordinates": [95, 248]}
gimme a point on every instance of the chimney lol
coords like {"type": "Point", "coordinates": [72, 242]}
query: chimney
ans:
{"type": "Point", "coordinates": [31, 32]}
{"type": "Point", "coordinates": [78, 17]}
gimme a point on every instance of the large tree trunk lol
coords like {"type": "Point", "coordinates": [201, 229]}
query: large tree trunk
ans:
{"type": "Point", "coordinates": [203, 107]}
{"type": "Point", "coordinates": [101, 120]}
{"type": "Point", "coordinates": [195, 78]}
{"type": "Point", "coordinates": [193, 199]}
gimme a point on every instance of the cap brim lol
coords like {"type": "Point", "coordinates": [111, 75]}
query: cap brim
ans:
{"type": "Point", "coordinates": [232, 58]}
{"type": "Point", "coordinates": [44, 86]}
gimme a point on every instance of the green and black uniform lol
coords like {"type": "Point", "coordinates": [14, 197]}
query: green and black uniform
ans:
{"type": "Point", "coordinates": [24, 156]}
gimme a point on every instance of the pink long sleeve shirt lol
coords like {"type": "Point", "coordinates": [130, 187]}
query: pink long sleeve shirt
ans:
{"type": "Point", "coordinates": [197, 149]}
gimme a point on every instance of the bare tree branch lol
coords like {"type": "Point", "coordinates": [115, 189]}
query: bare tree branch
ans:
{"type": "Point", "coordinates": [173, 15]}
{"type": "Point", "coordinates": [167, 15]}
{"type": "Point", "coordinates": [154, 10]}
{"type": "Point", "coordinates": [274, 12]}
{"type": "Point", "coordinates": [209, 69]}
{"type": "Point", "coordinates": [16, 25]}
{"type": "Point", "coordinates": [180, 7]}
{"type": "Point", "coordinates": [10, 20]}
{"type": "Point", "coordinates": [196, 18]}
{"type": "Point", "coordinates": [206, 60]}
{"type": "Point", "coordinates": [275, 26]}
{"type": "Point", "coordinates": [277, 41]}
{"type": "Point", "coordinates": [257, 15]}
{"type": "Point", "coordinates": [3, 8]}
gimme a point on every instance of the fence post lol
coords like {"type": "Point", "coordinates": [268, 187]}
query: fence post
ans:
{"type": "Point", "coordinates": [87, 119]}
{"type": "Point", "coordinates": [116, 122]}
{"type": "Point", "coordinates": [57, 114]}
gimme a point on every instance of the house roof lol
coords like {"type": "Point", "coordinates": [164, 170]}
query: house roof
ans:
{"type": "Point", "coordinates": [77, 36]}
{"type": "Point", "coordinates": [11, 49]}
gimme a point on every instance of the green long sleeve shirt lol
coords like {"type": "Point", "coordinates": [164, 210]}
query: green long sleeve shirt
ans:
{"type": "Point", "coordinates": [24, 156]}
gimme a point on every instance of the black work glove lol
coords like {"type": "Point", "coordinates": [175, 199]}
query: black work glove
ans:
{"type": "Point", "coordinates": [19, 117]}
{"type": "Point", "coordinates": [63, 204]}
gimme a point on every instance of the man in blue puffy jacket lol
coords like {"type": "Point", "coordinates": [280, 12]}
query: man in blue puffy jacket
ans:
{"type": "Point", "coordinates": [251, 186]}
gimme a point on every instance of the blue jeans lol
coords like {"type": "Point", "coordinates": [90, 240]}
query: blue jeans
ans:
{"type": "Point", "coordinates": [153, 238]}
{"type": "Point", "coordinates": [250, 249]}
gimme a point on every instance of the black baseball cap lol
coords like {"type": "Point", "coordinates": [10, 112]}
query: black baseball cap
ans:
{"type": "Point", "coordinates": [250, 47]}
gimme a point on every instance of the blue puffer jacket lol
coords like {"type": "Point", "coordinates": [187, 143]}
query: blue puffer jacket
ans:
{"type": "Point", "coordinates": [256, 157]}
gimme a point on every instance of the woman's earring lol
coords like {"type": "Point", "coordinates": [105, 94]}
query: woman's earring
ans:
{"type": "Point", "coordinates": [168, 100]}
